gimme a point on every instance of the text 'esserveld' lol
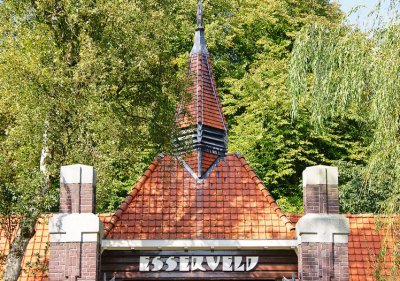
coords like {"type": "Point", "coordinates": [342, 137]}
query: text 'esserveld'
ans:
{"type": "Point", "coordinates": [197, 263]}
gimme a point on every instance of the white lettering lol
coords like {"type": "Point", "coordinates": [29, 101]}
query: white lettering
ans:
{"type": "Point", "coordinates": [238, 264]}
{"type": "Point", "coordinates": [226, 263]}
{"type": "Point", "coordinates": [157, 264]}
{"type": "Point", "coordinates": [197, 263]}
{"type": "Point", "coordinates": [144, 264]}
{"type": "Point", "coordinates": [212, 263]}
{"type": "Point", "coordinates": [184, 264]}
{"type": "Point", "coordinates": [251, 263]}
{"type": "Point", "coordinates": [172, 264]}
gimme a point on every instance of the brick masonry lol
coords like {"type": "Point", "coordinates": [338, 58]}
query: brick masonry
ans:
{"type": "Point", "coordinates": [74, 261]}
{"type": "Point", "coordinates": [321, 199]}
{"type": "Point", "coordinates": [77, 198]}
{"type": "Point", "coordinates": [324, 262]}
{"type": "Point", "coordinates": [70, 257]}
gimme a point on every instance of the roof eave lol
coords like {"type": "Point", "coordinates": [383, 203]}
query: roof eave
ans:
{"type": "Point", "coordinates": [199, 244]}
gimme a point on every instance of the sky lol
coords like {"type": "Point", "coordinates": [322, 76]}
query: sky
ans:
{"type": "Point", "coordinates": [348, 4]}
{"type": "Point", "coordinates": [360, 17]}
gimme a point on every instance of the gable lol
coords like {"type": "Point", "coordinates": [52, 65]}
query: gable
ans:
{"type": "Point", "coordinates": [231, 203]}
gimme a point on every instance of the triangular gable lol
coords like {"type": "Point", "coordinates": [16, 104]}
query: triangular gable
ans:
{"type": "Point", "coordinates": [231, 203]}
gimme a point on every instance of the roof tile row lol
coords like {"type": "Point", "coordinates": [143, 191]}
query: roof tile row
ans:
{"type": "Point", "coordinates": [365, 257]}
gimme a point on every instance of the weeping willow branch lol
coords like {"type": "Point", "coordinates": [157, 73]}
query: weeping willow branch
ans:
{"type": "Point", "coordinates": [343, 71]}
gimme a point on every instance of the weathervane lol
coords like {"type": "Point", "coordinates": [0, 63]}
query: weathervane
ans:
{"type": "Point", "coordinates": [200, 15]}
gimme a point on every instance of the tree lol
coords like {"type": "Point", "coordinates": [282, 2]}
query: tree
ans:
{"type": "Point", "coordinates": [96, 82]}
{"type": "Point", "coordinates": [80, 81]}
{"type": "Point", "coordinates": [344, 72]}
{"type": "Point", "coordinates": [253, 48]}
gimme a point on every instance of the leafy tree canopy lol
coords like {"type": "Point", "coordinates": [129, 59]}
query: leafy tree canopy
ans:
{"type": "Point", "coordinates": [90, 82]}
{"type": "Point", "coordinates": [252, 67]}
{"type": "Point", "coordinates": [344, 72]}
{"type": "Point", "coordinates": [96, 82]}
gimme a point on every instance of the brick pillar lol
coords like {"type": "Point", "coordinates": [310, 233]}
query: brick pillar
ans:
{"type": "Point", "coordinates": [75, 233]}
{"type": "Point", "coordinates": [322, 233]}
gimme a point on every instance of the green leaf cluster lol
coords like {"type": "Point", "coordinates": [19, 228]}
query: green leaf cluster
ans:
{"type": "Point", "coordinates": [83, 82]}
{"type": "Point", "coordinates": [344, 72]}
{"type": "Point", "coordinates": [252, 59]}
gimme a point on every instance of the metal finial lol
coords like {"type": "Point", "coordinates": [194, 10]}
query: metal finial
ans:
{"type": "Point", "coordinates": [199, 45]}
{"type": "Point", "coordinates": [200, 15]}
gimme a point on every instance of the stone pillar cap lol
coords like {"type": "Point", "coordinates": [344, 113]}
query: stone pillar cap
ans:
{"type": "Point", "coordinates": [323, 228]}
{"type": "Point", "coordinates": [77, 173]}
{"type": "Point", "coordinates": [75, 228]}
{"type": "Point", "coordinates": [320, 175]}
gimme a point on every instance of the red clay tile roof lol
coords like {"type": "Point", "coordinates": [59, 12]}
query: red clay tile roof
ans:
{"type": "Point", "coordinates": [149, 200]}
{"type": "Point", "coordinates": [168, 203]}
{"type": "Point", "coordinates": [365, 244]}
{"type": "Point", "coordinates": [34, 263]}
{"type": "Point", "coordinates": [207, 161]}
{"type": "Point", "coordinates": [204, 106]}
{"type": "Point", "coordinates": [364, 248]}
{"type": "Point", "coordinates": [192, 160]}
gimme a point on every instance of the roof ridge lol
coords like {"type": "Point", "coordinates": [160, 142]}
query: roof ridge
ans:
{"type": "Point", "coordinates": [135, 190]}
{"type": "Point", "coordinates": [215, 92]}
{"type": "Point", "coordinates": [289, 225]}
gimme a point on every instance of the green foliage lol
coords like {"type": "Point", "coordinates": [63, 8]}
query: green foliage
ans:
{"type": "Point", "coordinates": [343, 72]}
{"type": "Point", "coordinates": [82, 82]}
{"type": "Point", "coordinates": [90, 82]}
{"type": "Point", "coordinates": [250, 43]}
{"type": "Point", "coordinates": [252, 69]}
{"type": "Point", "coordinates": [100, 80]}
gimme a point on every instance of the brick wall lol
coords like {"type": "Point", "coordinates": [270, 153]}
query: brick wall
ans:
{"type": "Point", "coordinates": [77, 198]}
{"type": "Point", "coordinates": [324, 262]}
{"type": "Point", "coordinates": [341, 261]}
{"type": "Point", "coordinates": [321, 199]}
{"type": "Point", "coordinates": [74, 261]}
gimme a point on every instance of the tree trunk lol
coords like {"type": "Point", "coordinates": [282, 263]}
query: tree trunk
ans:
{"type": "Point", "coordinates": [27, 224]}
{"type": "Point", "coordinates": [13, 266]}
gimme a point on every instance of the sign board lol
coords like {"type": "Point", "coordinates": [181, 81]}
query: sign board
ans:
{"type": "Point", "coordinates": [193, 265]}
{"type": "Point", "coordinates": [197, 263]}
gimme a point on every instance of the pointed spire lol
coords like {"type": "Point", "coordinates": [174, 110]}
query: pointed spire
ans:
{"type": "Point", "coordinates": [200, 15]}
{"type": "Point", "coordinates": [200, 45]}
{"type": "Point", "coordinates": [203, 124]}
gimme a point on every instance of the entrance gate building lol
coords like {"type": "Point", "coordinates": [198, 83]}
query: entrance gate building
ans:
{"type": "Point", "coordinates": [200, 213]}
